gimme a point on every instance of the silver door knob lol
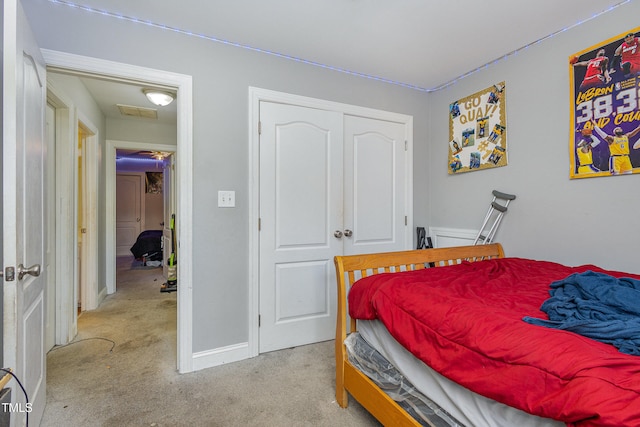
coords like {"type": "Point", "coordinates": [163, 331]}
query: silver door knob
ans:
{"type": "Point", "coordinates": [348, 233]}
{"type": "Point", "coordinates": [337, 234]}
{"type": "Point", "coordinates": [34, 270]}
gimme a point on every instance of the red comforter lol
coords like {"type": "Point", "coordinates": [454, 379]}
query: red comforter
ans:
{"type": "Point", "coordinates": [465, 322]}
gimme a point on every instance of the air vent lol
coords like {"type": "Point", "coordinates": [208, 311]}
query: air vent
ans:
{"type": "Point", "coordinates": [132, 111]}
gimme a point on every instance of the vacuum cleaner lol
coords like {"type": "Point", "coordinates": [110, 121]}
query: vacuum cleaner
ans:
{"type": "Point", "coordinates": [172, 269]}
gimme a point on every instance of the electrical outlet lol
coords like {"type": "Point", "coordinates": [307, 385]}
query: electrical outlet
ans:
{"type": "Point", "coordinates": [226, 199]}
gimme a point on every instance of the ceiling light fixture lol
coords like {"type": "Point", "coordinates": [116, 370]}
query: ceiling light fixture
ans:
{"type": "Point", "coordinates": [159, 155]}
{"type": "Point", "coordinates": [160, 98]}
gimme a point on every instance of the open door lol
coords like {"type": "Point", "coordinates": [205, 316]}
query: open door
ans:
{"type": "Point", "coordinates": [24, 226]}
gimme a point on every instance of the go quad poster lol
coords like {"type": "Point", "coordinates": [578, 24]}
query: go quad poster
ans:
{"type": "Point", "coordinates": [605, 108]}
{"type": "Point", "coordinates": [477, 131]}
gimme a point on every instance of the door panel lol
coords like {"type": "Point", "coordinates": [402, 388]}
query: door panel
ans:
{"type": "Point", "coordinates": [302, 186]}
{"type": "Point", "coordinates": [375, 177]}
{"type": "Point", "coordinates": [301, 291]}
{"type": "Point", "coordinates": [129, 197]}
{"type": "Point", "coordinates": [24, 222]}
{"type": "Point", "coordinates": [300, 208]}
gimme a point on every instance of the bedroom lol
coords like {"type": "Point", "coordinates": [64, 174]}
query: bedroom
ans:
{"type": "Point", "coordinates": [554, 218]}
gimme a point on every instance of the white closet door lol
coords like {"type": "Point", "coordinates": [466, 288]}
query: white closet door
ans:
{"type": "Point", "coordinates": [301, 163]}
{"type": "Point", "coordinates": [375, 185]}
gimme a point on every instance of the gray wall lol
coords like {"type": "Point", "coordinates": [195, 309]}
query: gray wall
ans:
{"type": "Point", "coordinates": [221, 77]}
{"type": "Point", "coordinates": [580, 221]}
{"type": "Point", "coordinates": [142, 131]}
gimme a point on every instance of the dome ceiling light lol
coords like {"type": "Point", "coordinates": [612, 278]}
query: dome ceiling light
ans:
{"type": "Point", "coordinates": [160, 98]}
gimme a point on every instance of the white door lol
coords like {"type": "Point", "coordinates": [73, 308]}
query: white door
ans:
{"type": "Point", "coordinates": [375, 185]}
{"type": "Point", "coordinates": [129, 199]}
{"type": "Point", "coordinates": [24, 226]}
{"type": "Point", "coordinates": [300, 210]}
{"type": "Point", "coordinates": [330, 184]}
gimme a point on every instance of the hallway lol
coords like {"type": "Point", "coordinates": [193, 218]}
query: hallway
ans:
{"type": "Point", "coordinates": [121, 349]}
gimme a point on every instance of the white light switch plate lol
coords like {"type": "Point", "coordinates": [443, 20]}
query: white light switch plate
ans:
{"type": "Point", "coordinates": [226, 199]}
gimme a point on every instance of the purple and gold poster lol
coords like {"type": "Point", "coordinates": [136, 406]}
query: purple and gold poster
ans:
{"type": "Point", "coordinates": [605, 108]}
{"type": "Point", "coordinates": [477, 131]}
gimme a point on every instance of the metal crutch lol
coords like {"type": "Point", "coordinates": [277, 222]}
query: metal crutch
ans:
{"type": "Point", "coordinates": [496, 212]}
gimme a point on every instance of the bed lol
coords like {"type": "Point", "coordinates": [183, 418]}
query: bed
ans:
{"type": "Point", "coordinates": [148, 246]}
{"type": "Point", "coordinates": [482, 358]}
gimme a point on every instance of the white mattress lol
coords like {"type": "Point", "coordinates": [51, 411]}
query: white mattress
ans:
{"type": "Point", "coordinates": [466, 406]}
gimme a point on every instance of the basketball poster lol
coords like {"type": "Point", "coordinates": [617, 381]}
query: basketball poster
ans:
{"type": "Point", "coordinates": [605, 108]}
{"type": "Point", "coordinates": [478, 131]}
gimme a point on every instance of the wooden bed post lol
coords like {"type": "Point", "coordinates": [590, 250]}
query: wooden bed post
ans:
{"type": "Point", "coordinates": [341, 334]}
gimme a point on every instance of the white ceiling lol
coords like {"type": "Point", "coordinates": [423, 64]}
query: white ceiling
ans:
{"type": "Point", "coordinates": [423, 44]}
{"type": "Point", "coordinates": [108, 94]}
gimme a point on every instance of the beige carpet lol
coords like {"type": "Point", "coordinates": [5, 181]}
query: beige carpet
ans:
{"type": "Point", "coordinates": [121, 371]}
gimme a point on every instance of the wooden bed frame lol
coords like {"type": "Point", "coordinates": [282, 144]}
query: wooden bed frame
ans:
{"type": "Point", "coordinates": [350, 268]}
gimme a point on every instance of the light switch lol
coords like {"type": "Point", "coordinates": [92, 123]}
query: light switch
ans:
{"type": "Point", "coordinates": [226, 199]}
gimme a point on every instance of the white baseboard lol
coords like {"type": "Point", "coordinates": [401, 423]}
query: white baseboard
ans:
{"type": "Point", "coordinates": [220, 356]}
{"type": "Point", "coordinates": [443, 237]}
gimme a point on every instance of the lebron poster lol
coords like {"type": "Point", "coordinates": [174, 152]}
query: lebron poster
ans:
{"type": "Point", "coordinates": [478, 131]}
{"type": "Point", "coordinates": [605, 108]}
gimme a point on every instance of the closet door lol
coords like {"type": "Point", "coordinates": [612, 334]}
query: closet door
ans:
{"type": "Point", "coordinates": [375, 185]}
{"type": "Point", "coordinates": [301, 178]}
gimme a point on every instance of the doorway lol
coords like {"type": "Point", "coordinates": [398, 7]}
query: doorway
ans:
{"type": "Point", "coordinates": [87, 223]}
{"type": "Point", "coordinates": [68, 63]}
{"type": "Point", "coordinates": [144, 196]}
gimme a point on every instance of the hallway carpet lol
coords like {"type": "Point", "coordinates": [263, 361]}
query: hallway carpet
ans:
{"type": "Point", "coordinates": [121, 371]}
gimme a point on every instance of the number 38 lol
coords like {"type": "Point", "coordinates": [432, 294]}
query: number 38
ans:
{"type": "Point", "coordinates": [602, 106]}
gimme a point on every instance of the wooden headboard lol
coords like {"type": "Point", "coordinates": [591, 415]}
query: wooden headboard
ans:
{"type": "Point", "coordinates": [350, 268]}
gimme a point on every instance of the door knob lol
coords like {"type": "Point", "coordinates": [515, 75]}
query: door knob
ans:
{"type": "Point", "coordinates": [337, 234]}
{"type": "Point", "coordinates": [34, 270]}
{"type": "Point", "coordinates": [348, 232]}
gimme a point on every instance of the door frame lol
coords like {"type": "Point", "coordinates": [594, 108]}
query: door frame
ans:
{"type": "Point", "coordinates": [110, 190]}
{"type": "Point", "coordinates": [257, 95]}
{"type": "Point", "coordinates": [184, 173]}
{"type": "Point", "coordinates": [68, 121]}
{"type": "Point", "coordinates": [88, 280]}
{"type": "Point", "coordinates": [66, 318]}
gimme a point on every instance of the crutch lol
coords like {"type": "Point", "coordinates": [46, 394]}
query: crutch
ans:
{"type": "Point", "coordinates": [495, 213]}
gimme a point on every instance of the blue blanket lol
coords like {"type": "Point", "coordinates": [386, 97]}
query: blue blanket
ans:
{"type": "Point", "coordinates": [598, 306]}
